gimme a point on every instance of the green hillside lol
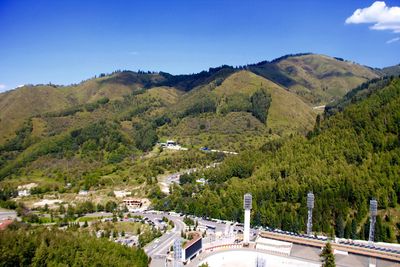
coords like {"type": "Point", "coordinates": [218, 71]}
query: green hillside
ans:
{"type": "Point", "coordinates": [20, 104]}
{"type": "Point", "coordinates": [40, 246]}
{"type": "Point", "coordinates": [226, 109]}
{"type": "Point", "coordinates": [93, 137]}
{"type": "Point", "coordinates": [350, 158]}
{"type": "Point", "coordinates": [103, 131]}
{"type": "Point", "coordinates": [318, 79]}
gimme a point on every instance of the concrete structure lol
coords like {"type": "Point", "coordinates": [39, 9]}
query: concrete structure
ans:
{"type": "Point", "coordinates": [310, 206]}
{"type": "Point", "coordinates": [250, 258]}
{"type": "Point", "coordinates": [83, 192]}
{"type": "Point", "coordinates": [132, 203]}
{"type": "Point", "coordinates": [310, 248]}
{"type": "Point", "coordinates": [247, 201]}
{"type": "Point", "coordinates": [170, 144]}
{"type": "Point", "coordinates": [373, 207]}
{"type": "Point", "coordinates": [192, 248]}
{"type": "Point", "coordinates": [273, 246]}
{"type": "Point", "coordinates": [121, 194]}
{"type": "Point", "coordinates": [25, 190]}
{"type": "Point", "coordinates": [178, 252]}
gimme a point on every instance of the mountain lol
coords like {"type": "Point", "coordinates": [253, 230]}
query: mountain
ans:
{"type": "Point", "coordinates": [101, 129]}
{"type": "Point", "coordinates": [359, 93]}
{"type": "Point", "coordinates": [22, 103]}
{"type": "Point", "coordinates": [223, 110]}
{"type": "Point", "coordinates": [348, 159]}
{"type": "Point", "coordinates": [318, 79]}
{"type": "Point", "coordinates": [89, 132]}
{"type": "Point", "coordinates": [391, 71]}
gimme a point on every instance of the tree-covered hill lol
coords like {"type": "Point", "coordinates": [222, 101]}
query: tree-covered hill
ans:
{"type": "Point", "coordinates": [95, 133]}
{"type": "Point", "coordinates": [21, 246]}
{"type": "Point", "coordinates": [244, 104]}
{"type": "Point", "coordinates": [348, 159]}
{"type": "Point", "coordinates": [318, 79]}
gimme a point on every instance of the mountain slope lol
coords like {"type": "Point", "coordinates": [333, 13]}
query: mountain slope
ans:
{"type": "Point", "coordinates": [318, 79]}
{"type": "Point", "coordinates": [207, 112]}
{"type": "Point", "coordinates": [350, 158]}
{"type": "Point", "coordinates": [20, 104]}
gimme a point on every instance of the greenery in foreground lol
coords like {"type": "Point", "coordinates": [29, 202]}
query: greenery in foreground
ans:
{"type": "Point", "coordinates": [347, 160]}
{"type": "Point", "coordinates": [327, 257]}
{"type": "Point", "coordinates": [53, 247]}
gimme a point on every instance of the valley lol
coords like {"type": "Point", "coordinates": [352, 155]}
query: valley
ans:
{"type": "Point", "coordinates": [194, 144]}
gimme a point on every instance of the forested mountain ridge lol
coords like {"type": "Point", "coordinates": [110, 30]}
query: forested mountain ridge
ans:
{"type": "Point", "coordinates": [95, 133]}
{"type": "Point", "coordinates": [317, 79]}
{"type": "Point", "coordinates": [88, 140]}
{"type": "Point", "coordinates": [45, 246]}
{"type": "Point", "coordinates": [349, 158]}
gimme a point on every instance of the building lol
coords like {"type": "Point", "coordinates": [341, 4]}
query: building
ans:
{"type": "Point", "coordinates": [25, 190]}
{"type": "Point", "coordinates": [273, 246]}
{"type": "Point", "coordinates": [247, 202]}
{"type": "Point", "coordinates": [121, 194]}
{"type": "Point", "coordinates": [201, 181]}
{"type": "Point", "coordinates": [171, 143]}
{"type": "Point", "coordinates": [83, 192]}
{"type": "Point", "coordinates": [132, 203]}
{"type": "Point", "coordinates": [193, 247]}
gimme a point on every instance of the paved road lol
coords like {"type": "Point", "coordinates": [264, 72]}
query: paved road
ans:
{"type": "Point", "coordinates": [158, 248]}
{"type": "Point", "coordinates": [8, 215]}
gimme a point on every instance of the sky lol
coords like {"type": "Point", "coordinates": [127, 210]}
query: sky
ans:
{"type": "Point", "coordinates": [65, 42]}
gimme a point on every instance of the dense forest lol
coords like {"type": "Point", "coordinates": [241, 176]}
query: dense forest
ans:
{"type": "Point", "coordinates": [26, 246]}
{"type": "Point", "coordinates": [348, 159]}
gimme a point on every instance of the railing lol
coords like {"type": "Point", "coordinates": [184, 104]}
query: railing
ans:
{"type": "Point", "coordinates": [370, 252]}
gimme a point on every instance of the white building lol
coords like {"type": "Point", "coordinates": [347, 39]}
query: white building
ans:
{"type": "Point", "coordinates": [133, 204]}
{"type": "Point", "coordinates": [121, 194]}
{"type": "Point", "coordinates": [275, 246]}
{"type": "Point", "coordinates": [25, 190]}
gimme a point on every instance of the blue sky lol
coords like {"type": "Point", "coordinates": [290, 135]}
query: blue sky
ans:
{"type": "Point", "coordinates": [65, 42]}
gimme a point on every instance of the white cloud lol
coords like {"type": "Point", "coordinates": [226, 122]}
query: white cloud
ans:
{"type": "Point", "coordinates": [393, 40]}
{"type": "Point", "coordinates": [2, 86]}
{"type": "Point", "coordinates": [134, 53]}
{"type": "Point", "coordinates": [380, 15]}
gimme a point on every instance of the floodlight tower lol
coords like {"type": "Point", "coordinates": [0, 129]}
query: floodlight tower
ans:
{"type": "Point", "coordinates": [247, 207]}
{"type": "Point", "coordinates": [177, 252]}
{"type": "Point", "coordinates": [310, 206]}
{"type": "Point", "coordinates": [373, 208]}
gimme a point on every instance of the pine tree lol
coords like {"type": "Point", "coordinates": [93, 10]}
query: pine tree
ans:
{"type": "Point", "coordinates": [328, 259]}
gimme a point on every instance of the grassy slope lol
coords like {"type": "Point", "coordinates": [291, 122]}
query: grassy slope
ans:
{"type": "Point", "coordinates": [319, 79]}
{"type": "Point", "coordinates": [352, 158]}
{"type": "Point", "coordinates": [18, 105]}
{"type": "Point", "coordinates": [287, 114]}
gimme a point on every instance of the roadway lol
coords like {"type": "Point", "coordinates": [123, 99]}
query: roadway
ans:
{"type": "Point", "coordinates": [7, 214]}
{"type": "Point", "coordinates": [158, 249]}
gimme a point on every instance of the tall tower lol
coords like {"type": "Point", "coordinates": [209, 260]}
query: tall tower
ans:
{"type": "Point", "coordinates": [247, 207]}
{"type": "Point", "coordinates": [310, 206]}
{"type": "Point", "coordinates": [177, 252]}
{"type": "Point", "coordinates": [373, 208]}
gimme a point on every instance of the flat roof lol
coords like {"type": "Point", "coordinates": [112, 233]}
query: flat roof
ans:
{"type": "Point", "coordinates": [196, 237]}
